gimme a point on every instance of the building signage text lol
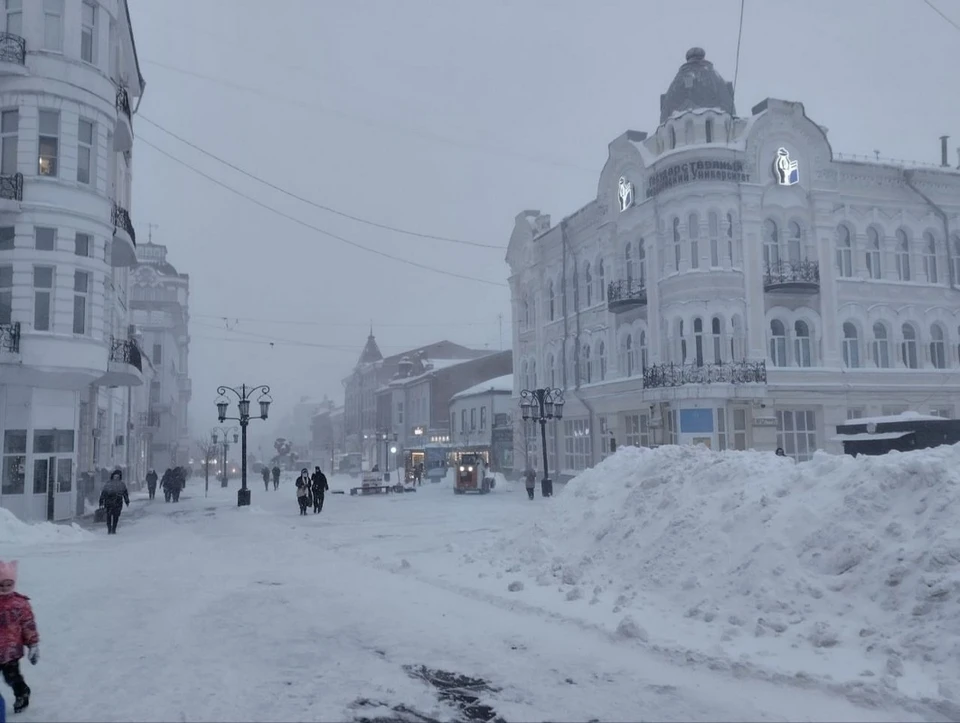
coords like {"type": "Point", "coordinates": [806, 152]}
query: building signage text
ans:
{"type": "Point", "coordinates": [691, 171]}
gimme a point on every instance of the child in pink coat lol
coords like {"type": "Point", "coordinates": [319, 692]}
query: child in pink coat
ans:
{"type": "Point", "coordinates": [17, 631]}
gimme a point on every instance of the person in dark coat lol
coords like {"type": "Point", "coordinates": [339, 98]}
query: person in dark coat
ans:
{"type": "Point", "coordinates": [266, 478]}
{"type": "Point", "coordinates": [112, 497]}
{"type": "Point", "coordinates": [179, 482]}
{"type": "Point", "coordinates": [303, 490]}
{"type": "Point", "coordinates": [530, 481]}
{"type": "Point", "coordinates": [318, 481]}
{"type": "Point", "coordinates": [276, 476]}
{"type": "Point", "coordinates": [152, 483]}
{"type": "Point", "coordinates": [167, 482]}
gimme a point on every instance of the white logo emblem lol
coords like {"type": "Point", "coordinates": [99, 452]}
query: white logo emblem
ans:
{"type": "Point", "coordinates": [625, 191]}
{"type": "Point", "coordinates": [786, 170]}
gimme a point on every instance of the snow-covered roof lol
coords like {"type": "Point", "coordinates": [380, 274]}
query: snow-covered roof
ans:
{"type": "Point", "coordinates": [893, 418]}
{"type": "Point", "coordinates": [867, 437]}
{"type": "Point", "coordinates": [497, 384]}
{"type": "Point", "coordinates": [438, 364]}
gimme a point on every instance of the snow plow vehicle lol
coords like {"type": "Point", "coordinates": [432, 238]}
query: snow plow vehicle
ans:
{"type": "Point", "coordinates": [471, 475]}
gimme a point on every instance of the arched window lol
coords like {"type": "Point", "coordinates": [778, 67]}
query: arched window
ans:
{"type": "Point", "coordinates": [938, 347]}
{"type": "Point", "coordinates": [628, 264]}
{"type": "Point", "coordinates": [626, 360]}
{"type": "Point", "coordinates": [736, 339]}
{"type": "Point", "coordinates": [778, 343]}
{"type": "Point", "coordinates": [551, 301]}
{"type": "Point", "coordinates": [688, 132]}
{"type": "Point", "coordinates": [601, 280]}
{"type": "Point", "coordinates": [588, 284]}
{"type": "Point", "coordinates": [642, 262]}
{"type": "Point", "coordinates": [672, 137]}
{"type": "Point", "coordinates": [693, 228]}
{"type": "Point", "coordinates": [526, 311]}
{"type": "Point", "coordinates": [643, 350]}
{"type": "Point", "coordinates": [881, 345]}
{"type": "Point", "coordinates": [956, 258]}
{"type": "Point", "coordinates": [698, 341]}
{"type": "Point", "coordinates": [533, 374]}
{"type": "Point", "coordinates": [551, 370]}
{"type": "Point", "coordinates": [585, 375]}
{"type": "Point", "coordinates": [676, 244]}
{"type": "Point", "coordinates": [802, 348]}
{"type": "Point", "coordinates": [930, 257]}
{"type": "Point", "coordinates": [713, 228]}
{"type": "Point", "coordinates": [575, 288]}
{"type": "Point", "coordinates": [683, 343]}
{"type": "Point", "coordinates": [771, 246]}
{"type": "Point", "coordinates": [844, 251]}
{"type": "Point", "coordinates": [730, 238]}
{"type": "Point", "coordinates": [716, 328]}
{"type": "Point", "coordinates": [708, 130]}
{"type": "Point", "coordinates": [794, 243]}
{"type": "Point", "coordinates": [873, 254]}
{"type": "Point", "coordinates": [908, 348]}
{"type": "Point", "coordinates": [601, 360]}
{"type": "Point", "coordinates": [903, 255]}
{"type": "Point", "coordinates": [851, 346]}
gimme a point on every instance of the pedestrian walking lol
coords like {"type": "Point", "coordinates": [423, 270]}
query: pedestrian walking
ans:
{"type": "Point", "coordinates": [152, 483]}
{"type": "Point", "coordinates": [266, 478]}
{"type": "Point", "coordinates": [530, 481]}
{"type": "Point", "coordinates": [276, 476]}
{"type": "Point", "coordinates": [112, 497]}
{"type": "Point", "coordinates": [319, 486]}
{"type": "Point", "coordinates": [18, 630]}
{"type": "Point", "coordinates": [303, 491]}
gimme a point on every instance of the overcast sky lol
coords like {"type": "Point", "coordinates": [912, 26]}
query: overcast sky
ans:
{"type": "Point", "coordinates": [447, 118]}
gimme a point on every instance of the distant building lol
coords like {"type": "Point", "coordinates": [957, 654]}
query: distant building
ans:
{"type": "Point", "coordinates": [328, 441]}
{"type": "Point", "coordinates": [737, 283]}
{"type": "Point", "coordinates": [481, 420]}
{"type": "Point", "coordinates": [160, 310]}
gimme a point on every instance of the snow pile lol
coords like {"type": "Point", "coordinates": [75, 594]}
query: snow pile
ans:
{"type": "Point", "coordinates": [13, 531]}
{"type": "Point", "coordinates": [836, 553]}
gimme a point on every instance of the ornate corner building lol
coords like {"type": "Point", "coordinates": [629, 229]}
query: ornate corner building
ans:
{"type": "Point", "coordinates": [69, 86]}
{"type": "Point", "coordinates": [737, 283]}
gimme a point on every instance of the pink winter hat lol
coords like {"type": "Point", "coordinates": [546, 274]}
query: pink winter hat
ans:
{"type": "Point", "coordinates": [8, 570]}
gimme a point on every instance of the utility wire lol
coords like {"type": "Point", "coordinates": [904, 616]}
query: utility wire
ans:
{"type": "Point", "coordinates": [291, 194]}
{"type": "Point", "coordinates": [310, 226]}
{"type": "Point", "coordinates": [943, 15]}
{"type": "Point", "coordinates": [736, 70]}
{"type": "Point", "coordinates": [229, 317]}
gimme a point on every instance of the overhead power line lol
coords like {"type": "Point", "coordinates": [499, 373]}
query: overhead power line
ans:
{"type": "Point", "coordinates": [736, 70]}
{"type": "Point", "coordinates": [942, 14]}
{"type": "Point", "coordinates": [322, 207]}
{"type": "Point", "coordinates": [365, 324]}
{"type": "Point", "coordinates": [312, 227]}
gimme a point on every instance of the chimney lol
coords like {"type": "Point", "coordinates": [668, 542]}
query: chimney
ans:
{"type": "Point", "coordinates": [943, 151]}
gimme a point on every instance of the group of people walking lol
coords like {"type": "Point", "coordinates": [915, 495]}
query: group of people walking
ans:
{"type": "Point", "coordinates": [266, 472]}
{"type": "Point", "coordinates": [173, 481]}
{"type": "Point", "coordinates": [311, 489]}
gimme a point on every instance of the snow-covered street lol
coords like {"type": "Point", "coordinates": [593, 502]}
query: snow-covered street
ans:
{"type": "Point", "coordinates": [203, 611]}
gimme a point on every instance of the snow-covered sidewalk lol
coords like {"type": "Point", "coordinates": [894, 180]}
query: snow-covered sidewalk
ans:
{"type": "Point", "coordinates": [202, 611]}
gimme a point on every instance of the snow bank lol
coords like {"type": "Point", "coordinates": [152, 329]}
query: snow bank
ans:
{"type": "Point", "coordinates": [13, 531]}
{"type": "Point", "coordinates": [836, 553]}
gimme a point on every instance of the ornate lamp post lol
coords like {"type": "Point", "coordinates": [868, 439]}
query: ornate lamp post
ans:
{"type": "Point", "coordinates": [540, 405]}
{"type": "Point", "coordinates": [220, 436]}
{"type": "Point", "coordinates": [243, 405]}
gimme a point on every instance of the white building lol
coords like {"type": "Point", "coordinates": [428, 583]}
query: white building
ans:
{"type": "Point", "coordinates": [738, 283]}
{"type": "Point", "coordinates": [68, 77]}
{"type": "Point", "coordinates": [160, 311]}
{"type": "Point", "coordinates": [481, 420]}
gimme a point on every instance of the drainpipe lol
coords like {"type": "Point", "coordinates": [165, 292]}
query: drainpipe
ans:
{"type": "Point", "coordinates": [908, 179]}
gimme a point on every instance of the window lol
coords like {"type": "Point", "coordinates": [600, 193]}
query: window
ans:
{"type": "Point", "coordinates": [802, 348]}
{"type": "Point", "coordinates": [930, 257]}
{"type": "Point", "coordinates": [721, 429]}
{"type": "Point", "coordinates": [45, 238]}
{"type": "Point", "coordinates": [673, 138]}
{"type": "Point", "coordinates": [641, 262]}
{"type": "Point", "coordinates": [473, 419]}
{"type": "Point", "coordinates": [851, 347]}
{"type": "Point", "coordinates": [855, 413]}
{"type": "Point", "coordinates": [708, 130]}
{"type": "Point", "coordinates": [483, 418]}
{"type": "Point", "coordinates": [688, 132]}
{"type": "Point", "coordinates": [903, 255]}
{"type": "Point", "coordinates": [730, 237]}
{"type": "Point", "coordinates": [83, 244]}
{"type": "Point", "coordinates": [844, 252]}
{"type": "Point", "coordinates": [86, 156]}
{"type": "Point", "coordinates": [643, 350]}
{"type": "Point", "coordinates": [53, 25]}
{"type": "Point", "coordinates": [49, 142]}
{"type": "Point", "coordinates": [942, 412]}
{"type": "Point", "coordinates": [771, 246]}
{"type": "Point", "coordinates": [88, 33]}
{"type": "Point", "coordinates": [14, 461]}
{"type": "Point", "coordinates": [938, 347]}
{"type": "Point", "coordinates": [157, 357]}
{"type": "Point", "coordinates": [601, 360]}
{"type": "Point", "coordinates": [908, 349]}
{"type": "Point", "coordinates": [7, 238]}
{"type": "Point", "coordinates": [6, 294]}
{"type": "Point", "coordinates": [881, 346]}
{"type": "Point", "coordinates": [797, 433]}
{"type": "Point", "coordinates": [9, 141]}
{"type": "Point", "coordinates": [400, 413]}
{"type": "Point", "coordinates": [956, 258]}
{"type": "Point", "coordinates": [676, 244]}
{"type": "Point", "coordinates": [588, 284]}
{"type": "Point", "coordinates": [778, 343]}
{"type": "Point", "coordinates": [628, 264]}
{"type": "Point", "coordinates": [626, 360]}
{"type": "Point", "coordinates": [698, 341]}
{"type": "Point", "coordinates": [42, 297]}
{"type": "Point", "coordinates": [576, 433]}
{"type": "Point", "coordinates": [601, 283]}
{"type": "Point", "coordinates": [552, 370]}
{"type": "Point", "coordinates": [551, 300]}
{"type": "Point", "coordinates": [81, 288]}
{"type": "Point", "coordinates": [893, 410]}
{"type": "Point", "coordinates": [693, 228]}
{"type": "Point", "coordinates": [463, 420]}
{"type": "Point", "coordinates": [14, 10]}
{"type": "Point", "coordinates": [873, 254]}
{"type": "Point", "coordinates": [736, 339]}
{"type": "Point", "coordinates": [739, 428]}
{"type": "Point", "coordinates": [683, 342]}
{"type": "Point", "coordinates": [636, 430]}
{"type": "Point", "coordinates": [794, 243]}
{"type": "Point", "coordinates": [716, 330]}
{"type": "Point", "coordinates": [585, 371]}
{"type": "Point", "coordinates": [713, 228]}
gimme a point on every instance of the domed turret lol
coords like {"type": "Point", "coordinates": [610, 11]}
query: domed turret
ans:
{"type": "Point", "coordinates": [697, 85]}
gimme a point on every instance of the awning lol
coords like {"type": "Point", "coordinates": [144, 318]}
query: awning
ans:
{"type": "Point", "coordinates": [867, 437]}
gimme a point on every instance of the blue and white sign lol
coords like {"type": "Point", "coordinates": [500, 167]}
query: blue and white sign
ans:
{"type": "Point", "coordinates": [785, 169]}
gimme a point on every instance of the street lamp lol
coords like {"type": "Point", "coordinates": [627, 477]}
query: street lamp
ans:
{"type": "Point", "coordinates": [539, 405]}
{"type": "Point", "coordinates": [220, 437]}
{"type": "Point", "coordinates": [243, 405]}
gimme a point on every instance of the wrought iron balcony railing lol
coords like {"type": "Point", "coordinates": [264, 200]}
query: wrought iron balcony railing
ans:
{"type": "Point", "coordinates": [10, 337]}
{"type": "Point", "coordinates": [123, 102]}
{"type": "Point", "coordinates": [126, 351]}
{"type": "Point", "coordinates": [792, 273]}
{"type": "Point", "coordinates": [11, 186]}
{"type": "Point", "coordinates": [677, 375]}
{"type": "Point", "coordinates": [121, 219]}
{"type": "Point", "coordinates": [13, 49]}
{"type": "Point", "coordinates": [149, 419]}
{"type": "Point", "coordinates": [626, 292]}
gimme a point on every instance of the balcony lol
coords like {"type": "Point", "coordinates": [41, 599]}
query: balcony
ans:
{"type": "Point", "coordinates": [626, 294]}
{"type": "Point", "coordinates": [13, 54]}
{"type": "Point", "coordinates": [678, 375]}
{"type": "Point", "coordinates": [10, 338]}
{"type": "Point", "coordinates": [124, 365]}
{"type": "Point", "coordinates": [149, 419]}
{"type": "Point", "coordinates": [124, 239]}
{"type": "Point", "coordinates": [11, 191]}
{"type": "Point", "coordinates": [792, 276]}
{"type": "Point", "coordinates": [123, 135]}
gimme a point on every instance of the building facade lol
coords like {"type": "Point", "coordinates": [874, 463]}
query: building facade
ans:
{"type": "Point", "coordinates": [481, 420]}
{"type": "Point", "coordinates": [738, 283]}
{"type": "Point", "coordinates": [160, 312]}
{"type": "Point", "coordinates": [69, 83]}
